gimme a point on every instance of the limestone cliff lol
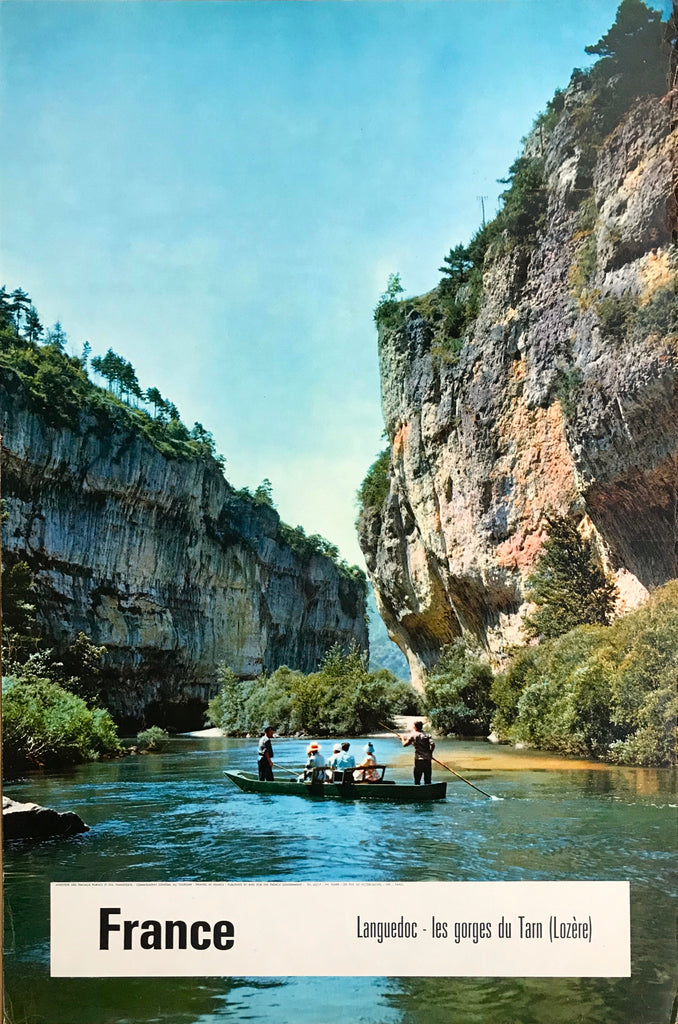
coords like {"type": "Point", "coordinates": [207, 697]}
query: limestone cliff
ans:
{"type": "Point", "coordinates": [163, 562]}
{"type": "Point", "coordinates": [561, 397]}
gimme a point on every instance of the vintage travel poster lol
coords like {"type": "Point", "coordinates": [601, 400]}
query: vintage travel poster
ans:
{"type": "Point", "coordinates": [339, 477]}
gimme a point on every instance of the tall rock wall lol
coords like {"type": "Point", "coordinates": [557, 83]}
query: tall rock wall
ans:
{"type": "Point", "coordinates": [562, 399]}
{"type": "Point", "coordinates": [163, 562]}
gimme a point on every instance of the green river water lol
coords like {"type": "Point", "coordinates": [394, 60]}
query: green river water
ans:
{"type": "Point", "coordinates": [172, 816]}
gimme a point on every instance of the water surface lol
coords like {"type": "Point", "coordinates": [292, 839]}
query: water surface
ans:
{"type": "Point", "coordinates": [172, 816]}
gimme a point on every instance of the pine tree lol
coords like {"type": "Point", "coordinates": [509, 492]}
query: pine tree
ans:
{"type": "Point", "coordinates": [459, 264]}
{"type": "Point", "coordinates": [19, 305]}
{"type": "Point", "coordinates": [33, 328]}
{"type": "Point", "coordinates": [156, 400]}
{"type": "Point", "coordinates": [5, 308]}
{"type": "Point", "coordinates": [568, 585]}
{"type": "Point", "coordinates": [635, 47]}
{"type": "Point", "coordinates": [56, 337]}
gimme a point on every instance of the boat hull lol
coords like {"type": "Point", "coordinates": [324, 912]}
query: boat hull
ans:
{"type": "Point", "coordinates": [391, 792]}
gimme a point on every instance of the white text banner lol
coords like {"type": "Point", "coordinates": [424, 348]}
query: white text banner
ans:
{"type": "Point", "coordinates": [401, 929]}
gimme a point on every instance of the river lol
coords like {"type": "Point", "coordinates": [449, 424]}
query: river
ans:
{"type": "Point", "coordinates": [172, 816]}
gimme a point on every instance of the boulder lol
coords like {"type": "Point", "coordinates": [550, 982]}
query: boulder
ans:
{"type": "Point", "coordinates": [30, 821]}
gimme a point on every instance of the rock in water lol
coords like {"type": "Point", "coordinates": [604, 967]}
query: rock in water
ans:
{"type": "Point", "coordinates": [30, 821]}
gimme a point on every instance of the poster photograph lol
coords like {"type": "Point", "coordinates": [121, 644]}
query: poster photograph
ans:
{"type": "Point", "coordinates": [339, 491]}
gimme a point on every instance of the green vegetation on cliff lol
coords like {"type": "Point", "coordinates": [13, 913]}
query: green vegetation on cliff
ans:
{"type": "Point", "coordinates": [341, 698]}
{"type": "Point", "coordinates": [373, 491]}
{"type": "Point", "coordinates": [606, 691]}
{"type": "Point", "coordinates": [568, 585]}
{"type": "Point", "coordinates": [59, 389]}
{"type": "Point", "coordinates": [50, 712]}
{"type": "Point", "coordinates": [589, 688]}
{"type": "Point", "coordinates": [634, 61]}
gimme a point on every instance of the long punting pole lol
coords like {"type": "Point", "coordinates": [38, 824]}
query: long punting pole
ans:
{"type": "Point", "coordinates": [443, 765]}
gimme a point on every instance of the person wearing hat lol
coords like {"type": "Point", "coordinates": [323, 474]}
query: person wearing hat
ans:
{"type": "Point", "coordinates": [334, 757]}
{"type": "Point", "coordinates": [368, 762]}
{"type": "Point", "coordinates": [332, 760]}
{"type": "Point", "coordinates": [423, 752]}
{"type": "Point", "coordinates": [265, 762]}
{"type": "Point", "coordinates": [314, 759]}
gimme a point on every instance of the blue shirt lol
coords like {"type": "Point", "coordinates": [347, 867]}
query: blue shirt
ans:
{"type": "Point", "coordinates": [345, 760]}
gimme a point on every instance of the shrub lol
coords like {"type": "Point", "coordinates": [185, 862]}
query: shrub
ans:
{"type": "Point", "coordinates": [524, 211]}
{"type": "Point", "coordinates": [457, 692]}
{"type": "Point", "coordinates": [568, 388]}
{"type": "Point", "coordinates": [568, 706]}
{"type": "Point", "coordinates": [226, 711]}
{"type": "Point", "coordinates": [588, 213]}
{"type": "Point", "coordinates": [374, 489]}
{"type": "Point", "coordinates": [660, 314]}
{"type": "Point", "coordinates": [617, 316]}
{"type": "Point", "coordinates": [342, 697]}
{"type": "Point", "coordinates": [584, 265]}
{"type": "Point", "coordinates": [389, 315]}
{"type": "Point", "coordinates": [507, 687]}
{"type": "Point", "coordinates": [153, 738]}
{"type": "Point", "coordinates": [45, 725]}
{"type": "Point", "coordinates": [606, 691]}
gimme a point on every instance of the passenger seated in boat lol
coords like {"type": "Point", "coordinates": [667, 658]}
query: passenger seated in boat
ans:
{"type": "Point", "coordinates": [370, 774]}
{"type": "Point", "coordinates": [314, 760]}
{"type": "Point", "coordinates": [345, 759]}
{"type": "Point", "coordinates": [345, 763]}
{"type": "Point", "coordinates": [332, 760]}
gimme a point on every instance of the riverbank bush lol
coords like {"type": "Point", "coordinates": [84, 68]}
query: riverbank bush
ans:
{"type": "Point", "coordinates": [341, 698]}
{"type": "Point", "coordinates": [154, 738]}
{"type": "Point", "coordinates": [605, 691]}
{"type": "Point", "coordinates": [44, 725]}
{"type": "Point", "coordinates": [457, 692]}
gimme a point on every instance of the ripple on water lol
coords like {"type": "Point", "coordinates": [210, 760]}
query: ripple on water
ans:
{"type": "Point", "coordinates": [175, 817]}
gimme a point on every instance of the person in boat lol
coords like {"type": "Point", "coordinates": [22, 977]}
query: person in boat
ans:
{"type": "Point", "coordinates": [314, 759]}
{"type": "Point", "coordinates": [368, 762]}
{"type": "Point", "coordinates": [423, 752]}
{"type": "Point", "coordinates": [265, 762]}
{"type": "Point", "coordinates": [345, 759]}
{"type": "Point", "coordinates": [334, 756]}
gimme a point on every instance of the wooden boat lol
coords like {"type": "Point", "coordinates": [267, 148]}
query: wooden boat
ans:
{"type": "Point", "coordinates": [346, 785]}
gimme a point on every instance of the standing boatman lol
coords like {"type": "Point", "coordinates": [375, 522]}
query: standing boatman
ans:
{"type": "Point", "coordinates": [265, 762]}
{"type": "Point", "coordinates": [423, 752]}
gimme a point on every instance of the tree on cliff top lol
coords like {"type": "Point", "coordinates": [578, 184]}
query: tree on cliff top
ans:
{"type": "Point", "coordinates": [633, 46]}
{"type": "Point", "coordinates": [568, 585]}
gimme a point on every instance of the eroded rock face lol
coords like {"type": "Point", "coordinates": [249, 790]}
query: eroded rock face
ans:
{"type": "Point", "coordinates": [163, 562]}
{"type": "Point", "coordinates": [562, 400]}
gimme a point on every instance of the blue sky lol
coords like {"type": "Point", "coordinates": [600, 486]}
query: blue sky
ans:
{"type": "Point", "coordinates": [219, 191]}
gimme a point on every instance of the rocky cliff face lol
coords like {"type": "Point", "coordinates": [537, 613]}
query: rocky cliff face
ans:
{"type": "Point", "coordinates": [562, 399]}
{"type": "Point", "coordinates": [163, 562]}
